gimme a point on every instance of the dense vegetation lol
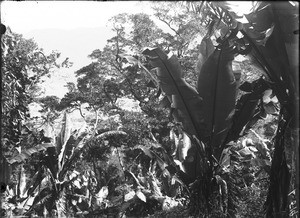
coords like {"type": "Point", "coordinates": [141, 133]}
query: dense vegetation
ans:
{"type": "Point", "coordinates": [210, 135]}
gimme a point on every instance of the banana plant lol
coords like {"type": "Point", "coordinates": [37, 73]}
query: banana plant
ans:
{"type": "Point", "coordinates": [209, 114]}
{"type": "Point", "coordinates": [47, 189]}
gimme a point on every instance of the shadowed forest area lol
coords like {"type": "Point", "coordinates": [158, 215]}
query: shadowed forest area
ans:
{"type": "Point", "coordinates": [201, 120]}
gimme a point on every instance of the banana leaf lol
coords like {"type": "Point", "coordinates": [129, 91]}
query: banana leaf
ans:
{"type": "Point", "coordinates": [217, 88]}
{"type": "Point", "coordinates": [35, 181]}
{"type": "Point", "coordinates": [279, 53]}
{"type": "Point", "coordinates": [77, 145]}
{"type": "Point", "coordinates": [25, 154]}
{"type": "Point", "coordinates": [205, 50]}
{"type": "Point", "coordinates": [112, 133]}
{"type": "Point", "coordinates": [278, 200]}
{"type": "Point", "coordinates": [246, 107]}
{"type": "Point", "coordinates": [183, 97]}
{"type": "Point", "coordinates": [64, 136]}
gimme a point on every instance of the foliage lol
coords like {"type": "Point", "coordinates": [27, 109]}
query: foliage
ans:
{"type": "Point", "coordinates": [51, 172]}
{"type": "Point", "coordinates": [206, 141]}
{"type": "Point", "coordinates": [24, 66]}
{"type": "Point", "coordinates": [170, 81]}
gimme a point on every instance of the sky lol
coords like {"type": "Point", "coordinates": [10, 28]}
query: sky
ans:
{"type": "Point", "coordinates": [74, 28]}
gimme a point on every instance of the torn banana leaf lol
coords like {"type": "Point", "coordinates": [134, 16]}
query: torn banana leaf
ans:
{"type": "Point", "coordinates": [246, 106]}
{"type": "Point", "coordinates": [278, 55]}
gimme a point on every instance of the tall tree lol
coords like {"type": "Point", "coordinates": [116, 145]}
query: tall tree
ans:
{"type": "Point", "coordinates": [24, 67]}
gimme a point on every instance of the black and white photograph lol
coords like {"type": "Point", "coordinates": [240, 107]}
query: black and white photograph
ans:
{"type": "Point", "coordinates": [149, 109]}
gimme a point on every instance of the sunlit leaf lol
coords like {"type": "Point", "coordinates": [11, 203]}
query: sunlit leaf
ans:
{"type": "Point", "coordinates": [140, 195]}
{"type": "Point", "coordinates": [102, 194]}
{"type": "Point", "coordinates": [246, 152]}
{"type": "Point", "coordinates": [130, 195]}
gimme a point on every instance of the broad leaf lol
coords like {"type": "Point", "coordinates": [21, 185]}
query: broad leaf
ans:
{"type": "Point", "coordinates": [205, 50]}
{"type": "Point", "coordinates": [182, 96]}
{"type": "Point", "coordinates": [25, 154]}
{"type": "Point", "coordinates": [217, 88]}
{"type": "Point", "coordinates": [246, 107]}
{"type": "Point", "coordinates": [278, 21]}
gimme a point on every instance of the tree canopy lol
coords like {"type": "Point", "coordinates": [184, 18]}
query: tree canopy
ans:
{"type": "Point", "coordinates": [213, 136]}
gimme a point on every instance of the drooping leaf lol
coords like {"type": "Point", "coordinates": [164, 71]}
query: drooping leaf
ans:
{"type": "Point", "coordinates": [25, 154]}
{"type": "Point", "coordinates": [276, 57]}
{"type": "Point", "coordinates": [246, 107]}
{"type": "Point", "coordinates": [280, 176]}
{"type": "Point", "coordinates": [111, 133]}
